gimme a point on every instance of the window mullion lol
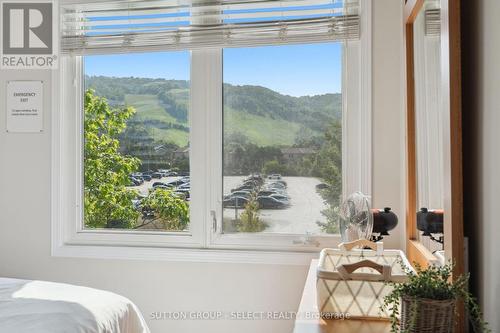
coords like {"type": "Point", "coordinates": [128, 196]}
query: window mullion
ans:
{"type": "Point", "coordinates": [205, 140]}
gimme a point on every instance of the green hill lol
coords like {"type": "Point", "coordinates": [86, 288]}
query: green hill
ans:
{"type": "Point", "coordinates": [265, 117]}
{"type": "Point", "coordinates": [148, 107]}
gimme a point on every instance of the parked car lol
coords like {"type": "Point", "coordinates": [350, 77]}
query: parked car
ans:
{"type": "Point", "coordinates": [183, 173]}
{"type": "Point", "coordinates": [255, 177]}
{"type": "Point", "coordinates": [243, 187]}
{"type": "Point", "coordinates": [322, 186]}
{"type": "Point", "coordinates": [280, 181]}
{"type": "Point", "coordinates": [140, 175]}
{"type": "Point", "coordinates": [163, 187]}
{"type": "Point", "coordinates": [183, 192]}
{"type": "Point", "coordinates": [185, 186]}
{"type": "Point", "coordinates": [281, 197]}
{"type": "Point", "coordinates": [242, 193]}
{"type": "Point", "coordinates": [275, 176]}
{"type": "Point", "coordinates": [251, 182]}
{"type": "Point", "coordinates": [238, 202]}
{"type": "Point", "coordinates": [156, 184]}
{"type": "Point", "coordinates": [274, 190]}
{"type": "Point", "coordinates": [270, 203]}
{"type": "Point", "coordinates": [267, 193]}
{"type": "Point", "coordinates": [276, 185]}
{"type": "Point", "coordinates": [279, 190]}
{"type": "Point", "coordinates": [176, 182]}
{"type": "Point", "coordinates": [157, 175]}
{"type": "Point", "coordinates": [136, 181]}
{"type": "Point", "coordinates": [146, 177]}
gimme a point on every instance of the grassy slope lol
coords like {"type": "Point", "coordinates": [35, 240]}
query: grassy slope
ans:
{"type": "Point", "coordinates": [262, 131]}
{"type": "Point", "coordinates": [176, 136]}
{"type": "Point", "coordinates": [148, 107]}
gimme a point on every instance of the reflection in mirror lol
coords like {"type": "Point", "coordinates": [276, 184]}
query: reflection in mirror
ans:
{"type": "Point", "coordinates": [429, 126]}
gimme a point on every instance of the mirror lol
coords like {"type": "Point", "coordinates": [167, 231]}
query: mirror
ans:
{"type": "Point", "coordinates": [428, 128]}
{"type": "Point", "coordinates": [433, 126]}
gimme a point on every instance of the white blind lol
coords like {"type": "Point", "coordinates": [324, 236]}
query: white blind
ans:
{"type": "Point", "coordinates": [433, 22]}
{"type": "Point", "coordinates": [138, 25]}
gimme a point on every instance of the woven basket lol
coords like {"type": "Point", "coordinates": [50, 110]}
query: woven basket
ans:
{"type": "Point", "coordinates": [431, 316]}
{"type": "Point", "coordinates": [354, 282]}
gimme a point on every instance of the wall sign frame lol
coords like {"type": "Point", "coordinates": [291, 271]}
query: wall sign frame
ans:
{"type": "Point", "coordinates": [24, 107]}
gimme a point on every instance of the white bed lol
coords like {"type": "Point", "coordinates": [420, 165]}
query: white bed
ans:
{"type": "Point", "coordinates": [48, 307]}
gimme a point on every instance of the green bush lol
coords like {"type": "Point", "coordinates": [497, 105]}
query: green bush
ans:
{"type": "Point", "coordinates": [107, 201]}
{"type": "Point", "coordinates": [249, 219]}
{"type": "Point", "coordinates": [166, 207]}
{"type": "Point", "coordinates": [274, 166]}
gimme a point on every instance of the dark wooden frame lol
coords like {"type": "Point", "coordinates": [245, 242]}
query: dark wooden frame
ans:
{"type": "Point", "coordinates": [452, 93]}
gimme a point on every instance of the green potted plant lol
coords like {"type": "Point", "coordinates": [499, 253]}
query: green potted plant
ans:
{"type": "Point", "coordinates": [427, 302]}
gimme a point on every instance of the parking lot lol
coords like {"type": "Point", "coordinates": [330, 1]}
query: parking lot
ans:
{"type": "Point", "coordinates": [299, 218]}
{"type": "Point", "coordinates": [144, 188]}
{"type": "Point", "coordinates": [304, 211]}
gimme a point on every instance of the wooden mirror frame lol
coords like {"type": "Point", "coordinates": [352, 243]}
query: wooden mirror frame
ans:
{"type": "Point", "coordinates": [452, 130]}
{"type": "Point", "coordinates": [451, 90]}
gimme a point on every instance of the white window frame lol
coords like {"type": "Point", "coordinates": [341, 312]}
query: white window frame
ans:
{"type": "Point", "coordinates": [202, 242]}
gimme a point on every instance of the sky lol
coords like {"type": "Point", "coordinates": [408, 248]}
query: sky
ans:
{"type": "Point", "coordinates": [295, 70]}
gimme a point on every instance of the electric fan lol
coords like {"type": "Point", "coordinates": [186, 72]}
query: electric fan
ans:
{"type": "Point", "coordinates": [356, 219]}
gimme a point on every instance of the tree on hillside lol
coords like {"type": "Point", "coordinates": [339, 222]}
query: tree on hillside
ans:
{"type": "Point", "coordinates": [108, 203]}
{"type": "Point", "coordinates": [136, 140]}
{"type": "Point", "coordinates": [178, 110]}
{"type": "Point", "coordinates": [274, 166]}
{"type": "Point", "coordinates": [328, 165]}
{"type": "Point", "coordinates": [242, 157]}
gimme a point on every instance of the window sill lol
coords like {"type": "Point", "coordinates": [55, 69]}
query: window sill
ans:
{"type": "Point", "coordinates": [185, 254]}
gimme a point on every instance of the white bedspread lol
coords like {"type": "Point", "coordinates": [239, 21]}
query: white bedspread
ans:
{"type": "Point", "coordinates": [48, 307]}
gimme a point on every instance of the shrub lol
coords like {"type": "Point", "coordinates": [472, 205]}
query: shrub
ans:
{"type": "Point", "coordinates": [166, 207]}
{"type": "Point", "coordinates": [249, 218]}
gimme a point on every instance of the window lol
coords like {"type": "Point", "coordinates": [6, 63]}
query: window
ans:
{"type": "Point", "coordinates": [282, 139]}
{"type": "Point", "coordinates": [136, 158]}
{"type": "Point", "coordinates": [246, 145]}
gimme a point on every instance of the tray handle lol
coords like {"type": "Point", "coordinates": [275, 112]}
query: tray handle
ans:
{"type": "Point", "coordinates": [362, 243]}
{"type": "Point", "coordinates": [346, 270]}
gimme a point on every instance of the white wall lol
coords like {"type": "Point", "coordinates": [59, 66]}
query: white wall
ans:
{"type": "Point", "coordinates": [388, 113]}
{"type": "Point", "coordinates": [163, 286]}
{"type": "Point", "coordinates": [481, 108]}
